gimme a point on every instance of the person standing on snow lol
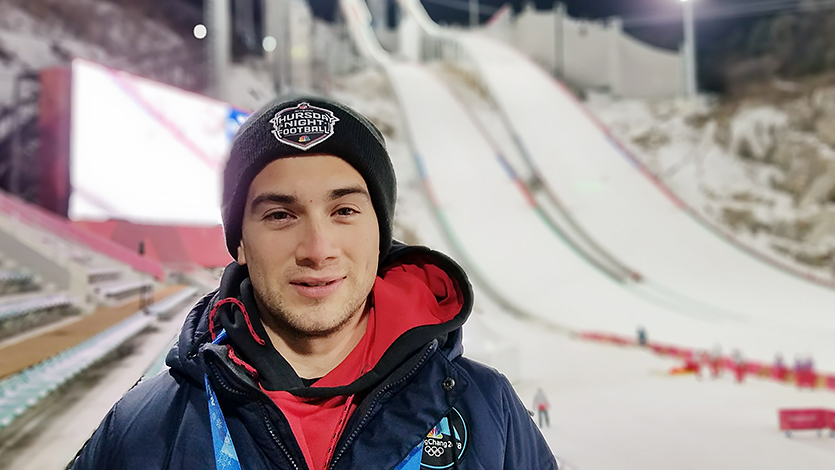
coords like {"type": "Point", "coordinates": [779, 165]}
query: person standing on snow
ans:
{"type": "Point", "coordinates": [327, 345]}
{"type": "Point", "coordinates": [779, 371]}
{"type": "Point", "coordinates": [739, 365]}
{"type": "Point", "coordinates": [716, 362]}
{"type": "Point", "coordinates": [540, 402]}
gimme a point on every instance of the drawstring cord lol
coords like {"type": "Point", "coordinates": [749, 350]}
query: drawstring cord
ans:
{"type": "Point", "coordinates": [240, 305]}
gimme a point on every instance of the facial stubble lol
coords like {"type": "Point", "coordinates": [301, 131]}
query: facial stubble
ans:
{"type": "Point", "coordinates": [278, 316]}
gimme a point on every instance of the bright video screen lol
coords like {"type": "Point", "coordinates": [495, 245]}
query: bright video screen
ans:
{"type": "Point", "coordinates": [144, 151]}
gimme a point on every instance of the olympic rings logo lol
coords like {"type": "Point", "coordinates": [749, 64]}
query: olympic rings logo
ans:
{"type": "Point", "coordinates": [434, 451]}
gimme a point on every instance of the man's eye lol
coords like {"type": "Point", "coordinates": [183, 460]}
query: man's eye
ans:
{"type": "Point", "coordinates": [280, 215]}
{"type": "Point", "coordinates": [346, 211]}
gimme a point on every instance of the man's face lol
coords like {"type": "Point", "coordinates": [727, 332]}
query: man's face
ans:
{"type": "Point", "coordinates": [311, 240]}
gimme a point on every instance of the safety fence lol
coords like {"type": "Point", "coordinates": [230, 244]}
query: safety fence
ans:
{"type": "Point", "coordinates": [801, 378]}
{"type": "Point", "coordinates": [809, 419]}
{"type": "Point", "coordinates": [27, 388]}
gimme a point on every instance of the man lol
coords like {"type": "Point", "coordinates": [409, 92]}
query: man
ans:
{"type": "Point", "coordinates": [327, 345]}
{"type": "Point", "coordinates": [540, 402]}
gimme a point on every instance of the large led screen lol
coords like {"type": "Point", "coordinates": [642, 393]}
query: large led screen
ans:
{"type": "Point", "coordinates": [145, 152]}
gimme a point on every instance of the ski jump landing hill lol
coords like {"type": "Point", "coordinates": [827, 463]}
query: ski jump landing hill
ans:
{"type": "Point", "coordinates": [695, 288]}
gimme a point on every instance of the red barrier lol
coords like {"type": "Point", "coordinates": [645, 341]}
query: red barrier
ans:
{"type": "Point", "coordinates": [717, 365]}
{"type": "Point", "coordinates": [803, 420]}
{"type": "Point", "coordinates": [829, 417]}
{"type": "Point", "coordinates": [607, 338]}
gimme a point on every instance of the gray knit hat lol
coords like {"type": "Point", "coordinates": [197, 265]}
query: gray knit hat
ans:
{"type": "Point", "coordinates": [307, 125]}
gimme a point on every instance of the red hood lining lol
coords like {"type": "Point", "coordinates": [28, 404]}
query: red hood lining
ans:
{"type": "Point", "coordinates": [403, 298]}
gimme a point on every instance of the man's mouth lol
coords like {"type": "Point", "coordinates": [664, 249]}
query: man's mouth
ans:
{"type": "Point", "coordinates": [316, 283]}
{"type": "Point", "coordinates": [317, 288]}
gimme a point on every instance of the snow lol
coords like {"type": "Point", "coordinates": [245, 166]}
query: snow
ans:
{"type": "Point", "coordinates": [755, 127]}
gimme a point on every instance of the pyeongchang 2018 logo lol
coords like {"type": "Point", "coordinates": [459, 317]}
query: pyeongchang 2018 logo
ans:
{"type": "Point", "coordinates": [445, 444]}
{"type": "Point", "coordinates": [303, 126]}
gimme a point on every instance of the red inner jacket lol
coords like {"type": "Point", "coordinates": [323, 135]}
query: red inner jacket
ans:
{"type": "Point", "coordinates": [407, 296]}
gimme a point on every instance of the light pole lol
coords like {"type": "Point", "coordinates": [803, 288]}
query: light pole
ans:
{"type": "Point", "coordinates": [218, 25]}
{"type": "Point", "coordinates": [690, 80]}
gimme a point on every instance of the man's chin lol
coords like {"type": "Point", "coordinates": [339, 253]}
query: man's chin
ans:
{"type": "Point", "coordinates": [315, 322]}
{"type": "Point", "coordinates": [318, 330]}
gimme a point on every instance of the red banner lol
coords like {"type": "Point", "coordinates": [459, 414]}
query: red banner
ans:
{"type": "Point", "coordinates": [829, 416]}
{"type": "Point", "coordinates": [807, 419]}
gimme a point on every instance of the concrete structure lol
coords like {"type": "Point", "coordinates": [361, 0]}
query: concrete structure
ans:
{"type": "Point", "coordinates": [592, 54]}
{"type": "Point", "coordinates": [217, 14]}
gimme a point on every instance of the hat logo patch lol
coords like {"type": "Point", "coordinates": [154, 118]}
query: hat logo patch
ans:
{"type": "Point", "coordinates": [303, 126]}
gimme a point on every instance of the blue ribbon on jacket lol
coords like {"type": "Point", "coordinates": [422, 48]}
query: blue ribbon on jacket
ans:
{"type": "Point", "coordinates": [226, 458]}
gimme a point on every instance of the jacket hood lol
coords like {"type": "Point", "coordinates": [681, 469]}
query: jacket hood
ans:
{"type": "Point", "coordinates": [444, 291]}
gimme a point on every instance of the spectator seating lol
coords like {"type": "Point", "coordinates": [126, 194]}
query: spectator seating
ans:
{"type": "Point", "coordinates": [168, 304]}
{"type": "Point", "coordinates": [78, 240]}
{"type": "Point", "coordinates": [33, 304]}
{"type": "Point", "coordinates": [12, 281]}
{"type": "Point", "coordinates": [25, 389]}
{"type": "Point", "coordinates": [103, 274]}
{"type": "Point", "coordinates": [121, 289]}
{"type": "Point", "coordinates": [24, 313]}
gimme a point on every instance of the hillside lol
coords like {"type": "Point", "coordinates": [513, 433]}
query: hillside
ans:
{"type": "Point", "coordinates": [761, 164]}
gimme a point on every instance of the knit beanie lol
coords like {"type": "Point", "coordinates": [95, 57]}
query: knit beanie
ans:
{"type": "Point", "coordinates": [307, 125]}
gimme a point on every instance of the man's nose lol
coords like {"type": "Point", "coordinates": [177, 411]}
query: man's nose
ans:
{"type": "Point", "coordinates": [318, 246]}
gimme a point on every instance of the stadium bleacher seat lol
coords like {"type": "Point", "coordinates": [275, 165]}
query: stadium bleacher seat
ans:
{"type": "Point", "coordinates": [16, 281]}
{"type": "Point", "coordinates": [121, 289]}
{"type": "Point", "coordinates": [27, 388]}
{"type": "Point", "coordinates": [19, 308]}
{"type": "Point", "coordinates": [103, 273]}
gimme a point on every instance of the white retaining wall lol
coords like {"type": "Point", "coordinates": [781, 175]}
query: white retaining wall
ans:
{"type": "Point", "coordinates": [592, 54]}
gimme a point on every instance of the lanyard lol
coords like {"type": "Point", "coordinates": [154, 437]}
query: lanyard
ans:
{"type": "Point", "coordinates": [412, 461]}
{"type": "Point", "coordinates": [226, 458]}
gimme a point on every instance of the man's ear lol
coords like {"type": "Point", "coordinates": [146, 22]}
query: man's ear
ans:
{"type": "Point", "coordinates": [241, 253]}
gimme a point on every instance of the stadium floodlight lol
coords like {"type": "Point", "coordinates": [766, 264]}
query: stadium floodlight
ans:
{"type": "Point", "coordinates": [269, 43]}
{"type": "Point", "coordinates": [200, 31]}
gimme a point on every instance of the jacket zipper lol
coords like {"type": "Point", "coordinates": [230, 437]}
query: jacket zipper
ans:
{"type": "Point", "coordinates": [266, 417]}
{"type": "Point", "coordinates": [376, 399]}
{"type": "Point", "coordinates": [276, 439]}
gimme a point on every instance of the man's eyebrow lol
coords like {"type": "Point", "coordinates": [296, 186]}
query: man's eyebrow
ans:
{"type": "Point", "coordinates": [274, 198]}
{"type": "Point", "coordinates": [342, 192]}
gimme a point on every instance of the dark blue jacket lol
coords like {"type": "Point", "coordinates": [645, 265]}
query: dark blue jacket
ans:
{"type": "Point", "coordinates": [422, 393]}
